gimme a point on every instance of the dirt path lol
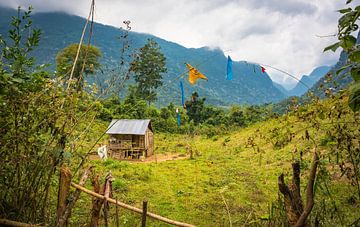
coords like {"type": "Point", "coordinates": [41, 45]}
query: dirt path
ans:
{"type": "Point", "coordinates": [154, 158]}
{"type": "Point", "coordinates": [164, 157]}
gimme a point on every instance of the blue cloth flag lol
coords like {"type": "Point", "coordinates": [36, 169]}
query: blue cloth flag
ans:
{"type": "Point", "coordinates": [178, 118]}
{"type": "Point", "coordinates": [229, 73]}
{"type": "Point", "coordinates": [182, 94]}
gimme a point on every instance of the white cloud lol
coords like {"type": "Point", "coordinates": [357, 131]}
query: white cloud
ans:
{"type": "Point", "coordinates": [274, 32]}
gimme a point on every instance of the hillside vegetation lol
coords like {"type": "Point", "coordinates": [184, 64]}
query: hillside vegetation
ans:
{"type": "Point", "coordinates": [250, 85]}
{"type": "Point", "coordinates": [226, 164]}
{"type": "Point", "coordinates": [240, 170]}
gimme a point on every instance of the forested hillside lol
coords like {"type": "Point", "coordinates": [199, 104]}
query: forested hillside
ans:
{"type": "Point", "coordinates": [307, 81]}
{"type": "Point", "coordinates": [250, 85]}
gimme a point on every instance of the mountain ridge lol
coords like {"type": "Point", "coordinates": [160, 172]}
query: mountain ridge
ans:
{"type": "Point", "coordinates": [307, 81]}
{"type": "Point", "coordinates": [250, 85]}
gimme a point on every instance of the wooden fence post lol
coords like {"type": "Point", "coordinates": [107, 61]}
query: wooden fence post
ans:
{"type": "Point", "coordinates": [117, 214]}
{"type": "Point", "coordinates": [96, 203]}
{"type": "Point", "coordinates": [62, 221]}
{"type": "Point", "coordinates": [132, 208]}
{"type": "Point", "coordinates": [143, 219]}
{"type": "Point", "coordinates": [107, 194]}
{"type": "Point", "coordinates": [64, 188]}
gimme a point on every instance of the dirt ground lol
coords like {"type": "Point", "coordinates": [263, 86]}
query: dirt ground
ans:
{"type": "Point", "coordinates": [165, 157]}
{"type": "Point", "coordinates": [154, 158]}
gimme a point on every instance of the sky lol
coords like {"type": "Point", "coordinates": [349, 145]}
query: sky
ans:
{"type": "Point", "coordinates": [286, 34]}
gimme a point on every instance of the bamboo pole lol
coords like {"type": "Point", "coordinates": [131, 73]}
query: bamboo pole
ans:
{"type": "Point", "coordinates": [143, 219]}
{"type": "Point", "coordinates": [117, 214]}
{"type": "Point", "coordinates": [132, 208]}
{"type": "Point", "coordinates": [7, 222]}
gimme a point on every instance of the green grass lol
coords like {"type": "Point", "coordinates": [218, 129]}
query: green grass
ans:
{"type": "Point", "coordinates": [225, 167]}
{"type": "Point", "coordinates": [192, 190]}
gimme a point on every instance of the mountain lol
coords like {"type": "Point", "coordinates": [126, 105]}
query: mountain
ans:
{"type": "Point", "coordinates": [249, 86]}
{"type": "Point", "coordinates": [309, 81]}
{"type": "Point", "coordinates": [336, 80]}
{"type": "Point", "coordinates": [281, 88]}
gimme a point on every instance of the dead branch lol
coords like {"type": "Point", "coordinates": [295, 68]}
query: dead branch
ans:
{"type": "Point", "coordinates": [309, 192]}
{"type": "Point", "coordinates": [295, 212]}
{"type": "Point", "coordinates": [227, 209]}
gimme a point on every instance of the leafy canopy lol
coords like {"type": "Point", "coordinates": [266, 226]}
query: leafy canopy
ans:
{"type": "Point", "coordinates": [148, 67]}
{"type": "Point", "coordinates": [17, 69]}
{"type": "Point", "coordinates": [347, 24]}
{"type": "Point", "coordinates": [88, 61]}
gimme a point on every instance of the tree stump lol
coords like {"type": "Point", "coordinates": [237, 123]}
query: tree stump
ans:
{"type": "Point", "coordinates": [295, 211]}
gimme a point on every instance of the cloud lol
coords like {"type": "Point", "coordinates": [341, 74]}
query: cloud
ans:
{"type": "Point", "coordinates": [291, 7]}
{"type": "Point", "coordinates": [280, 33]}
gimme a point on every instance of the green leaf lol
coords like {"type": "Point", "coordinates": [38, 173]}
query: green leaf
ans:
{"type": "Point", "coordinates": [355, 73]}
{"type": "Point", "coordinates": [332, 47]}
{"type": "Point", "coordinates": [354, 98]}
{"type": "Point", "coordinates": [343, 68]}
{"type": "Point", "coordinates": [346, 19]}
{"type": "Point", "coordinates": [348, 42]}
{"type": "Point", "coordinates": [344, 10]}
{"type": "Point", "coordinates": [17, 80]}
{"type": "Point", "coordinates": [354, 56]}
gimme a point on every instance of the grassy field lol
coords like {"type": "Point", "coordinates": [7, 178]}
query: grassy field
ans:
{"type": "Point", "coordinates": [232, 176]}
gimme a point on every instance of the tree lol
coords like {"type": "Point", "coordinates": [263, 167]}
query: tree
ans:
{"type": "Point", "coordinates": [28, 118]}
{"type": "Point", "coordinates": [347, 25]}
{"type": "Point", "coordinates": [17, 69]}
{"type": "Point", "coordinates": [148, 67]}
{"type": "Point", "coordinates": [195, 108]}
{"type": "Point", "coordinates": [88, 55]}
{"type": "Point", "coordinates": [237, 116]}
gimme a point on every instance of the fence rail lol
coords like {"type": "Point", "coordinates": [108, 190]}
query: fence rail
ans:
{"type": "Point", "coordinates": [132, 208]}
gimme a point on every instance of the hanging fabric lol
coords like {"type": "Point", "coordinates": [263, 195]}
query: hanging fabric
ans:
{"type": "Point", "coordinates": [182, 95]}
{"type": "Point", "coordinates": [194, 74]}
{"type": "Point", "coordinates": [178, 116]}
{"type": "Point", "coordinates": [263, 69]}
{"type": "Point", "coordinates": [229, 73]}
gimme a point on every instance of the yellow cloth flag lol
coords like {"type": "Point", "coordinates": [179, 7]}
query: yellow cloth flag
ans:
{"type": "Point", "coordinates": [194, 74]}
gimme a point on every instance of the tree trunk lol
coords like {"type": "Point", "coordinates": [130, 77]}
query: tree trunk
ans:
{"type": "Point", "coordinates": [296, 215]}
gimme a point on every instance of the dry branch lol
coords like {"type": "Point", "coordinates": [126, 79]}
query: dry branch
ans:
{"type": "Point", "coordinates": [134, 209]}
{"type": "Point", "coordinates": [295, 212]}
{"type": "Point", "coordinates": [309, 192]}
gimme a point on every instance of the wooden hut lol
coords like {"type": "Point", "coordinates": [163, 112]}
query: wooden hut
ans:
{"type": "Point", "coordinates": [130, 139]}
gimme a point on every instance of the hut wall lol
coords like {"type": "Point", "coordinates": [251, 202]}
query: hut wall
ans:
{"type": "Point", "coordinates": [138, 141]}
{"type": "Point", "coordinates": [149, 142]}
{"type": "Point", "coordinates": [131, 146]}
